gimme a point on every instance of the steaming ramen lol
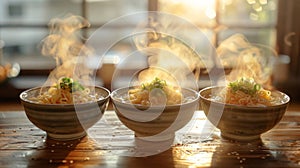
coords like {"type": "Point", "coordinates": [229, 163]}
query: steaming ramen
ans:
{"type": "Point", "coordinates": [246, 92]}
{"type": "Point", "coordinates": [155, 93]}
{"type": "Point", "coordinates": [66, 91]}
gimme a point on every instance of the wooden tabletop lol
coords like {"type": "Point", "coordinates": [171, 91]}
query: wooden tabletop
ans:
{"type": "Point", "coordinates": [110, 144]}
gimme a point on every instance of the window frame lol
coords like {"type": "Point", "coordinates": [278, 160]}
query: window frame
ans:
{"type": "Point", "coordinates": [153, 6]}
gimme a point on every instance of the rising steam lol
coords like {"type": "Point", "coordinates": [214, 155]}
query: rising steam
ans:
{"type": "Point", "coordinates": [246, 59]}
{"type": "Point", "coordinates": [65, 45]}
{"type": "Point", "coordinates": [167, 51]}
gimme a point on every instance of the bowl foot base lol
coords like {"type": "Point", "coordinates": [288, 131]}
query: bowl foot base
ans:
{"type": "Point", "coordinates": [156, 138]}
{"type": "Point", "coordinates": [66, 137]}
{"type": "Point", "coordinates": [245, 138]}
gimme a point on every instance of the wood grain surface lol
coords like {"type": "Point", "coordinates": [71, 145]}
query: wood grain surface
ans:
{"type": "Point", "coordinates": [111, 144]}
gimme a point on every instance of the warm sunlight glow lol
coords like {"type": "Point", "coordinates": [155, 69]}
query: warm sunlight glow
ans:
{"type": "Point", "coordinates": [207, 5]}
{"type": "Point", "coordinates": [253, 16]}
{"type": "Point", "coordinates": [228, 2]}
{"type": "Point", "coordinates": [257, 7]}
{"type": "Point", "coordinates": [210, 13]}
{"type": "Point", "coordinates": [194, 10]}
{"type": "Point", "coordinates": [200, 159]}
{"type": "Point", "coordinates": [272, 5]}
{"type": "Point", "coordinates": [199, 3]}
{"type": "Point", "coordinates": [263, 2]}
{"type": "Point", "coordinates": [250, 2]}
{"type": "Point", "coordinates": [194, 155]}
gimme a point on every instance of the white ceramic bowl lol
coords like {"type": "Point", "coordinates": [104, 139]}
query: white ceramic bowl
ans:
{"type": "Point", "coordinates": [64, 121]}
{"type": "Point", "coordinates": [242, 123]}
{"type": "Point", "coordinates": [155, 123]}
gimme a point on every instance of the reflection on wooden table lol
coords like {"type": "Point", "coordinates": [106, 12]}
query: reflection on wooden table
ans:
{"type": "Point", "coordinates": [111, 144]}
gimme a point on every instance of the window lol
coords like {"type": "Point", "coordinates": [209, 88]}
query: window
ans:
{"type": "Point", "coordinates": [15, 10]}
{"type": "Point", "coordinates": [23, 24]}
{"type": "Point", "coordinates": [256, 19]}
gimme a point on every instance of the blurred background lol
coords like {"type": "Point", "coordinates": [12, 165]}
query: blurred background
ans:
{"type": "Point", "coordinates": [24, 23]}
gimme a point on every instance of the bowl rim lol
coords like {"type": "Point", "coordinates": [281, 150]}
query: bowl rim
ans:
{"type": "Point", "coordinates": [287, 100]}
{"type": "Point", "coordinates": [114, 100]}
{"type": "Point", "coordinates": [64, 105]}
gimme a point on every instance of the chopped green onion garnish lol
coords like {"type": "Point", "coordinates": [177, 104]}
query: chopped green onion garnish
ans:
{"type": "Point", "coordinates": [156, 83]}
{"type": "Point", "coordinates": [70, 85]}
{"type": "Point", "coordinates": [246, 85]}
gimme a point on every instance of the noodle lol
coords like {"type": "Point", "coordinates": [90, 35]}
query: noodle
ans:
{"type": "Point", "coordinates": [155, 93]}
{"type": "Point", "coordinates": [65, 91]}
{"type": "Point", "coordinates": [245, 92]}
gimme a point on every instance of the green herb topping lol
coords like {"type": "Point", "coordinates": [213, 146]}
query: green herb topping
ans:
{"type": "Point", "coordinates": [156, 83]}
{"type": "Point", "coordinates": [246, 85]}
{"type": "Point", "coordinates": [66, 83]}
